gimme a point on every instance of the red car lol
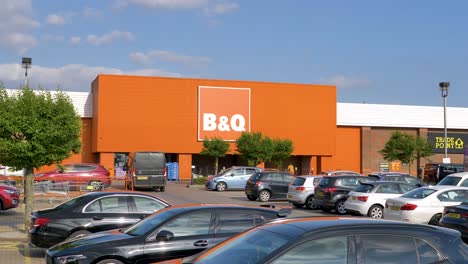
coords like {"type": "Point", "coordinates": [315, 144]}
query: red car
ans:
{"type": "Point", "coordinates": [9, 197]}
{"type": "Point", "coordinates": [77, 173]}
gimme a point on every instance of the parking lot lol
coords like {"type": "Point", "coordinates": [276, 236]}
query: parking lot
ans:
{"type": "Point", "coordinates": [14, 249]}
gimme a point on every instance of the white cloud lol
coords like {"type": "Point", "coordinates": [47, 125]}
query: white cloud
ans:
{"type": "Point", "coordinates": [221, 8]}
{"type": "Point", "coordinates": [15, 25]}
{"type": "Point", "coordinates": [74, 40]}
{"type": "Point", "coordinates": [108, 38]}
{"type": "Point", "coordinates": [210, 7]}
{"type": "Point", "coordinates": [71, 77]}
{"type": "Point", "coordinates": [342, 81]}
{"type": "Point", "coordinates": [56, 19]}
{"type": "Point", "coordinates": [168, 56]}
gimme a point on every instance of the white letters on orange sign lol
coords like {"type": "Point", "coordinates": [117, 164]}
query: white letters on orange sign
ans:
{"type": "Point", "coordinates": [237, 123]}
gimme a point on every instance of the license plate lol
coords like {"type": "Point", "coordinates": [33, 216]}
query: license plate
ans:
{"type": "Point", "coordinates": [290, 196]}
{"type": "Point", "coordinates": [142, 178]}
{"type": "Point", "coordinates": [395, 208]}
{"type": "Point", "coordinates": [353, 198]}
{"type": "Point", "coordinates": [90, 187]}
{"type": "Point", "coordinates": [453, 215]}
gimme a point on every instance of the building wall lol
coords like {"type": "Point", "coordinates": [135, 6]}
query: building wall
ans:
{"type": "Point", "coordinates": [348, 149]}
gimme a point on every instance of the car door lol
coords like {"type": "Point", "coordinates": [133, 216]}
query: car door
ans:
{"type": "Point", "coordinates": [108, 213]}
{"type": "Point", "coordinates": [236, 180]}
{"type": "Point", "coordinates": [191, 233]}
{"type": "Point", "coordinates": [276, 185]}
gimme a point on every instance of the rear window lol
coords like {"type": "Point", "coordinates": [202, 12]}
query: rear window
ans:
{"type": "Point", "coordinates": [419, 193]}
{"type": "Point", "coordinates": [325, 181]}
{"type": "Point", "coordinates": [255, 177]}
{"type": "Point", "coordinates": [364, 188]}
{"type": "Point", "coordinates": [298, 181]}
{"type": "Point", "coordinates": [150, 161]}
{"type": "Point", "coordinates": [450, 180]}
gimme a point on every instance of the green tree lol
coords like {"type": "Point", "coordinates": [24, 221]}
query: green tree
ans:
{"type": "Point", "coordinates": [36, 129]}
{"type": "Point", "coordinates": [405, 148]}
{"type": "Point", "coordinates": [282, 150]}
{"type": "Point", "coordinates": [216, 148]}
{"type": "Point", "coordinates": [255, 148]}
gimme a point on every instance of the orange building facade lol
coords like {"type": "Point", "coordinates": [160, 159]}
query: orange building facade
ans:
{"type": "Point", "coordinates": [174, 115]}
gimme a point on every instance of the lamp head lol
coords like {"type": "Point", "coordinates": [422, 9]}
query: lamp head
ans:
{"type": "Point", "coordinates": [444, 88]}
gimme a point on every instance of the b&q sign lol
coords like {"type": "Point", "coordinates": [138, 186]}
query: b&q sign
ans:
{"type": "Point", "coordinates": [455, 142]}
{"type": "Point", "coordinates": [223, 112]}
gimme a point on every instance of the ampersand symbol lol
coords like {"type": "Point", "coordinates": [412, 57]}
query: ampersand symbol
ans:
{"type": "Point", "coordinates": [223, 125]}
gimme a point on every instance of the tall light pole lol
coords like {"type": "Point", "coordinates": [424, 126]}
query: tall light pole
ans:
{"type": "Point", "coordinates": [26, 63]}
{"type": "Point", "coordinates": [444, 86]}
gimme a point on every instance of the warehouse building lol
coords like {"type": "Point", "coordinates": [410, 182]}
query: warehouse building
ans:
{"type": "Point", "coordinates": [124, 114]}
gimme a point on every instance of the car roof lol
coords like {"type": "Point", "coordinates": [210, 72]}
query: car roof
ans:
{"type": "Point", "coordinates": [444, 187]}
{"type": "Point", "coordinates": [308, 224]}
{"type": "Point", "coordinates": [382, 182]}
{"type": "Point", "coordinates": [459, 174]}
{"type": "Point", "coordinates": [284, 210]}
{"type": "Point", "coordinates": [309, 176]}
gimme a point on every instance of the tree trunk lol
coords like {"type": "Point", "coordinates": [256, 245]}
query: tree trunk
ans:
{"type": "Point", "coordinates": [216, 165]}
{"type": "Point", "coordinates": [28, 197]}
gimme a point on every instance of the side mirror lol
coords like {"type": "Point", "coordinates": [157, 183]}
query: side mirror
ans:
{"type": "Point", "coordinates": [164, 235]}
{"type": "Point", "coordinates": [125, 167]}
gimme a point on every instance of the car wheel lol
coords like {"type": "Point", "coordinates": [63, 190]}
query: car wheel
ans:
{"type": "Point", "coordinates": [78, 233]}
{"type": "Point", "coordinates": [340, 207]}
{"type": "Point", "coordinates": [435, 219]}
{"type": "Point", "coordinates": [264, 196]}
{"type": "Point", "coordinates": [221, 186]}
{"type": "Point", "coordinates": [162, 188]}
{"type": "Point", "coordinates": [309, 203]}
{"type": "Point", "coordinates": [375, 211]}
{"type": "Point", "coordinates": [298, 205]}
{"type": "Point", "coordinates": [110, 261]}
{"type": "Point", "coordinates": [251, 197]}
{"type": "Point", "coordinates": [1, 205]}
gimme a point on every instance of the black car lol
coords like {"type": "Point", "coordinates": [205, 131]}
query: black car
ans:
{"type": "Point", "coordinates": [90, 213]}
{"type": "Point", "coordinates": [398, 177]}
{"type": "Point", "coordinates": [338, 240]}
{"type": "Point", "coordinates": [174, 232]}
{"type": "Point", "coordinates": [332, 191]}
{"type": "Point", "coordinates": [456, 217]}
{"type": "Point", "coordinates": [267, 185]}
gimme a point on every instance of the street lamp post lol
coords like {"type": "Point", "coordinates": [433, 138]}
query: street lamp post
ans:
{"type": "Point", "coordinates": [26, 63]}
{"type": "Point", "coordinates": [444, 86]}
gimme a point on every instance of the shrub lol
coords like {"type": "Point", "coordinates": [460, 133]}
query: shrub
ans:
{"type": "Point", "coordinates": [199, 180]}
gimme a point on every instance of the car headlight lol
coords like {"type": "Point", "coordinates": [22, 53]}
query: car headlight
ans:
{"type": "Point", "coordinates": [69, 259]}
{"type": "Point", "coordinates": [11, 191]}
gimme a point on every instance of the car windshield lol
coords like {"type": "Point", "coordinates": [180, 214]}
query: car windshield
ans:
{"type": "Point", "coordinates": [221, 173]}
{"type": "Point", "coordinates": [364, 188]}
{"type": "Point", "coordinates": [450, 180]}
{"type": "Point", "coordinates": [149, 223]}
{"type": "Point", "coordinates": [419, 193]}
{"type": "Point", "coordinates": [251, 247]}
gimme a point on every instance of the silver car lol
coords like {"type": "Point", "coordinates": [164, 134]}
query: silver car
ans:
{"type": "Point", "coordinates": [301, 191]}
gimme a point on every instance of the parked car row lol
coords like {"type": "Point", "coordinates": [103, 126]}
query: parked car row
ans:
{"type": "Point", "coordinates": [174, 232]}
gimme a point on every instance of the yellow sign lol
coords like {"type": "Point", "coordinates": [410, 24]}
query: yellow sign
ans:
{"type": "Point", "coordinates": [452, 143]}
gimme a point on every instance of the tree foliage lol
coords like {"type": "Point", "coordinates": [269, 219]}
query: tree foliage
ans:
{"type": "Point", "coordinates": [36, 129]}
{"type": "Point", "coordinates": [256, 148]}
{"type": "Point", "coordinates": [281, 151]}
{"type": "Point", "coordinates": [405, 148]}
{"type": "Point", "coordinates": [216, 148]}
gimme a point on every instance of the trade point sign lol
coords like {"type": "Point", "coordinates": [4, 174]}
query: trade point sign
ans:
{"type": "Point", "coordinates": [223, 112]}
{"type": "Point", "coordinates": [455, 142]}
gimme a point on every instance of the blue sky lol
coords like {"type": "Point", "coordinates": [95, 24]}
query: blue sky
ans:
{"type": "Point", "coordinates": [383, 52]}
